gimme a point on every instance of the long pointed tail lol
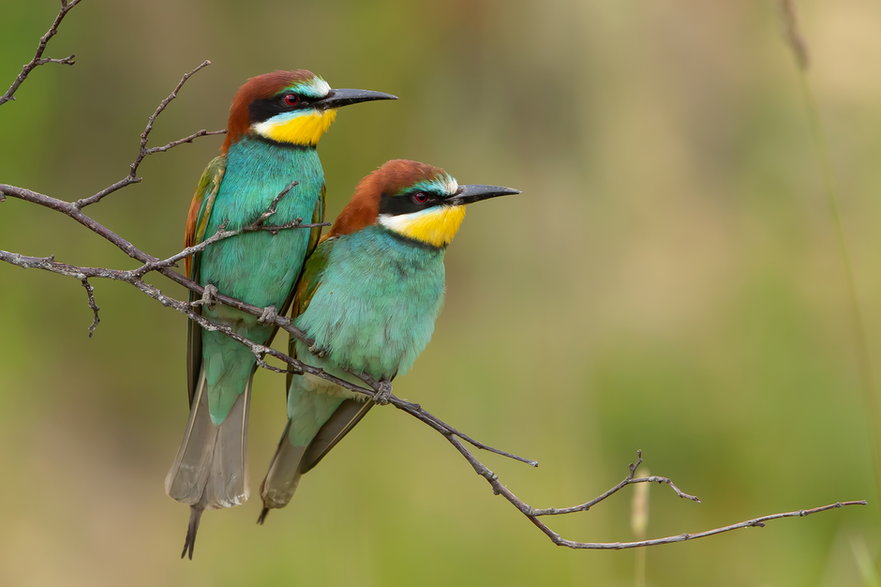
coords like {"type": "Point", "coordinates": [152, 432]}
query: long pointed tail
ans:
{"type": "Point", "coordinates": [210, 465]}
{"type": "Point", "coordinates": [283, 476]}
{"type": "Point", "coordinates": [209, 470]}
{"type": "Point", "coordinates": [322, 421]}
{"type": "Point", "coordinates": [192, 529]}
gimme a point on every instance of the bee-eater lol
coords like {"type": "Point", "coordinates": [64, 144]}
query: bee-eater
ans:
{"type": "Point", "coordinates": [275, 123]}
{"type": "Point", "coordinates": [368, 297]}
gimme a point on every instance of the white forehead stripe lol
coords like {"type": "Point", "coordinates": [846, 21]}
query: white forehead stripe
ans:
{"type": "Point", "coordinates": [322, 88]}
{"type": "Point", "coordinates": [443, 184]}
{"type": "Point", "coordinates": [450, 184]}
{"type": "Point", "coordinates": [313, 88]}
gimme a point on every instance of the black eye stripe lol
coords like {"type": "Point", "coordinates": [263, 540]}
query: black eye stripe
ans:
{"type": "Point", "coordinates": [266, 108]}
{"type": "Point", "coordinates": [407, 203]}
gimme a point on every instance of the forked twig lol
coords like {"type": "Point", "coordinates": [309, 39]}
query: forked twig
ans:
{"type": "Point", "coordinates": [38, 58]}
{"type": "Point", "coordinates": [143, 151]}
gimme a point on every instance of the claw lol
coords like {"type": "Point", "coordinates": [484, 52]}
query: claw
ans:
{"type": "Point", "coordinates": [209, 296]}
{"type": "Point", "coordinates": [382, 392]}
{"type": "Point", "coordinates": [317, 351]}
{"type": "Point", "coordinates": [269, 315]}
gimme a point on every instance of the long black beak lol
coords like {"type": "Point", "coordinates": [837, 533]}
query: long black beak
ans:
{"type": "Point", "coordinates": [468, 194]}
{"type": "Point", "coordinates": [341, 97]}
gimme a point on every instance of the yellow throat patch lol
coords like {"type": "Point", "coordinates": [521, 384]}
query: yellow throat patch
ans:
{"type": "Point", "coordinates": [434, 227]}
{"type": "Point", "coordinates": [303, 129]}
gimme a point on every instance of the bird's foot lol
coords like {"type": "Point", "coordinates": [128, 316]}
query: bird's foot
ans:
{"type": "Point", "coordinates": [382, 391]}
{"type": "Point", "coordinates": [269, 315]}
{"type": "Point", "coordinates": [209, 296]}
{"type": "Point", "coordinates": [318, 351]}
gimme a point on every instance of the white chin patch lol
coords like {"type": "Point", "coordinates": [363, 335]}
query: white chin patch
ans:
{"type": "Point", "coordinates": [401, 222]}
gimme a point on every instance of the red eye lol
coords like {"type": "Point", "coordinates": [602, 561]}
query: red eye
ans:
{"type": "Point", "coordinates": [420, 197]}
{"type": "Point", "coordinates": [291, 99]}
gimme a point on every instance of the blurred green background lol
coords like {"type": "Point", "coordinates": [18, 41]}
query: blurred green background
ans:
{"type": "Point", "coordinates": [669, 281]}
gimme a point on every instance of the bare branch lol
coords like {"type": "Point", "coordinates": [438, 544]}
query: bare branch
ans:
{"type": "Point", "coordinates": [417, 412]}
{"type": "Point", "coordinates": [630, 479]}
{"type": "Point", "coordinates": [532, 514]}
{"type": "Point", "coordinates": [143, 151]}
{"type": "Point", "coordinates": [84, 273]}
{"type": "Point", "coordinates": [93, 305]}
{"type": "Point", "coordinates": [145, 134]}
{"type": "Point", "coordinates": [70, 209]}
{"type": "Point", "coordinates": [752, 523]}
{"type": "Point", "coordinates": [222, 234]}
{"type": "Point", "coordinates": [38, 58]}
{"type": "Point", "coordinates": [187, 139]}
{"type": "Point", "coordinates": [258, 224]}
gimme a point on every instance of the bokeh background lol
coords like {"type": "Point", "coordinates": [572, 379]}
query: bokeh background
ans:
{"type": "Point", "coordinates": [669, 281]}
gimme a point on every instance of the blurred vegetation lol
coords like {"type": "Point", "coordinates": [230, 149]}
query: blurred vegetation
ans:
{"type": "Point", "coordinates": [668, 281]}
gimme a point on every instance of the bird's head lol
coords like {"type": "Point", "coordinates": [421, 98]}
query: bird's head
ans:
{"type": "Point", "coordinates": [289, 107]}
{"type": "Point", "coordinates": [414, 200]}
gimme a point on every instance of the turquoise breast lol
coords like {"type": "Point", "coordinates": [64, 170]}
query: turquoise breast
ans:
{"type": "Point", "coordinates": [259, 267]}
{"type": "Point", "coordinates": [378, 298]}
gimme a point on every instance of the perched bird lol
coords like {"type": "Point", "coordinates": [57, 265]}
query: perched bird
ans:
{"type": "Point", "coordinates": [368, 297]}
{"type": "Point", "coordinates": [275, 123]}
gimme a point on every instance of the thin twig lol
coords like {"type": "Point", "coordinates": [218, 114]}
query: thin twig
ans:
{"type": "Point", "coordinates": [751, 523]}
{"type": "Point", "coordinates": [630, 479]}
{"type": "Point", "coordinates": [71, 210]}
{"type": "Point", "coordinates": [273, 205]}
{"type": "Point", "coordinates": [145, 134]}
{"type": "Point", "coordinates": [418, 412]}
{"type": "Point", "coordinates": [84, 273]}
{"type": "Point", "coordinates": [533, 514]}
{"type": "Point", "coordinates": [143, 151]}
{"type": "Point", "coordinates": [38, 58]}
{"type": "Point", "coordinates": [181, 141]}
{"type": "Point", "coordinates": [258, 224]}
{"type": "Point", "coordinates": [221, 234]}
{"type": "Point", "coordinates": [93, 305]}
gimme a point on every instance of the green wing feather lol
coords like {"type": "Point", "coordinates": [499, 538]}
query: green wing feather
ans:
{"type": "Point", "coordinates": [337, 426]}
{"type": "Point", "coordinates": [317, 218]}
{"type": "Point", "coordinates": [310, 279]}
{"type": "Point", "coordinates": [314, 237]}
{"type": "Point", "coordinates": [350, 411]}
{"type": "Point", "coordinates": [197, 221]}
